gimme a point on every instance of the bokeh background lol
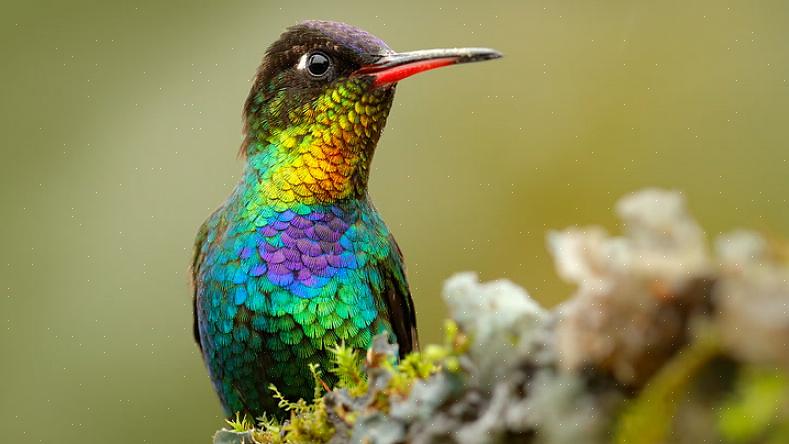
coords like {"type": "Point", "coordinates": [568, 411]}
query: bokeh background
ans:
{"type": "Point", "coordinates": [121, 123]}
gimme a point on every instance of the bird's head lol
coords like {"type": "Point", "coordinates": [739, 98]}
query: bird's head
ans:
{"type": "Point", "coordinates": [319, 102]}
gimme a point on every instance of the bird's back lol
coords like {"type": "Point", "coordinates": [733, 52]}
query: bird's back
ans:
{"type": "Point", "coordinates": [275, 286]}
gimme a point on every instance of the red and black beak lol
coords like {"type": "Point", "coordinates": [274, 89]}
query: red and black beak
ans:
{"type": "Point", "coordinates": [391, 68]}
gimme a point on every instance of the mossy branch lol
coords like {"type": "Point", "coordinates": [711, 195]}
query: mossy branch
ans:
{"type": "Point", "coordinates": [664, 341]}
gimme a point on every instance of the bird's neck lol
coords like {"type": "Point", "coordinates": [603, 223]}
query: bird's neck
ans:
{"type": "Point", "coordinates": [297, 169]}
{"type": "Point", "coordinates": [314, 151]}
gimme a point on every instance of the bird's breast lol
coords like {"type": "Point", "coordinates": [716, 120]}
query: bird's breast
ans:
{"type": "Point", "coordinates": [304, 252]}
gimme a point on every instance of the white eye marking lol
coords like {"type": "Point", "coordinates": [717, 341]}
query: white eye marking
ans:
{"type": "Point", "coordinates": [303, 62]}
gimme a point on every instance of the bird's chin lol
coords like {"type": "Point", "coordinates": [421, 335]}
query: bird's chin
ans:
{"type": "Point", "coordinates": [373, 85]}
{"type": "Point", "coordinates": [382, 92]}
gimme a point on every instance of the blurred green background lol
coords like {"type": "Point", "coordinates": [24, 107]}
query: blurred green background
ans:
{"type": "Point", "coordinates": [121, 124]}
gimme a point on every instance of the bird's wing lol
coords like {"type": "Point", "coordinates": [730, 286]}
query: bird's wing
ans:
{"type": "Point", "coordinates": [398, 300]}
{"type": "Point", "coordinates": [197, 259]}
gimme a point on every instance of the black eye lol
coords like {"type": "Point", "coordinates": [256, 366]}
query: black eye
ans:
{"type": "Point", "coordinates": [318, 64]}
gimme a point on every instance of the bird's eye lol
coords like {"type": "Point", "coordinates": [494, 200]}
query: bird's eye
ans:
{"type": "Point", "coordinates": [318, 64]}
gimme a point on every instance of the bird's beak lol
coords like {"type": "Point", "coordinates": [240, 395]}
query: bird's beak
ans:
{"type": "Point", "coordinates": [391, 68]}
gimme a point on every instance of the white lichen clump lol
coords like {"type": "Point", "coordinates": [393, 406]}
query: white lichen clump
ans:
{"type": "Point", "coordinates": [752, 300]}
{"type": "Point", "coordinates": [627, 307]}
{"type": "Point", "coordinates": [636, 291]}
{"type": "Point", "coordinates": [502, 321]}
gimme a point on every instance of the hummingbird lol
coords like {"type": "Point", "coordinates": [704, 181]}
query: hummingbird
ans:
{"type": "Point", "coordinates": [297, 259]}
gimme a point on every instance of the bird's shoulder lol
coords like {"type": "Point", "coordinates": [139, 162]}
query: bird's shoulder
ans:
{"type": "Point", "coordinates": [397, 297]}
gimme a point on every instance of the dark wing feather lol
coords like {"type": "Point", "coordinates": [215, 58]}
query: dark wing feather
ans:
{"type": "Point", "coordinates": [399, 303]}
{"type": "Point", "coordinates": [194, 270]}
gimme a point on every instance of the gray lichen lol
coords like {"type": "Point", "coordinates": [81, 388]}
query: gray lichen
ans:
{"type": "Point", "coordinates": [506, 326]}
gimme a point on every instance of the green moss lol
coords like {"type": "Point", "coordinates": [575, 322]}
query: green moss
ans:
{"type": "Point", "coordinates": [307, 422]}
{"type": "Point", "coordinates": [240, 424]}
{"type": "Point", "coordinates": [348, 367]}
